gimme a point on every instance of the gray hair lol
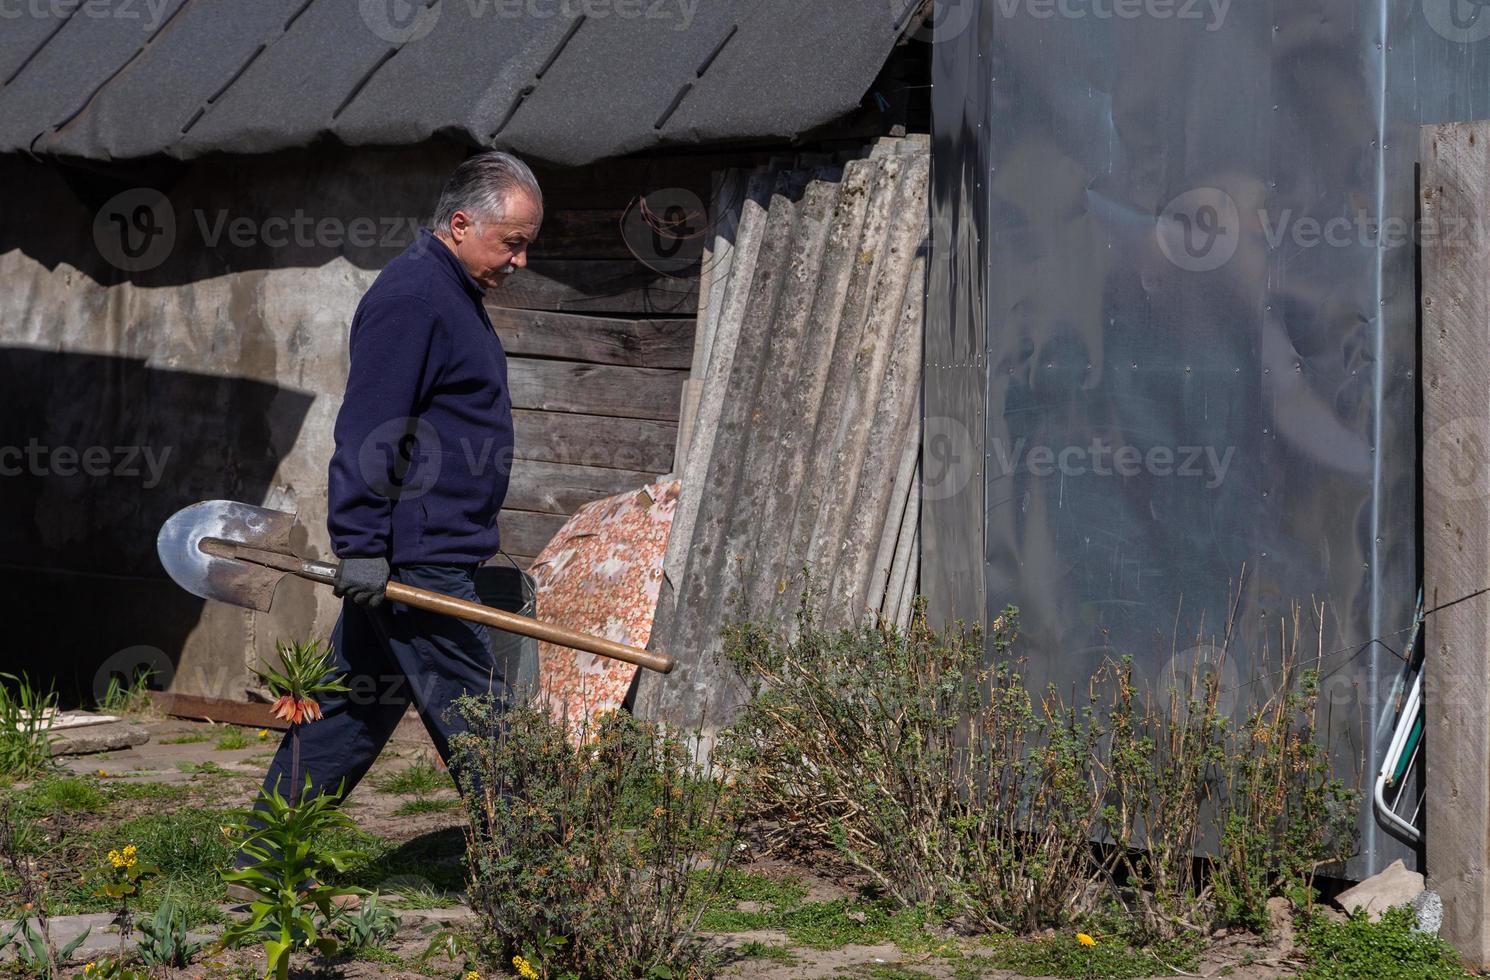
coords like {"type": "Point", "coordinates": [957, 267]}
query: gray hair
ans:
{"type": "Point", "coordinates": [481, 186]}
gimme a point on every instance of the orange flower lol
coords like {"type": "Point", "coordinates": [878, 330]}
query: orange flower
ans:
{"type": "Point", "coordinates": [296, 711]}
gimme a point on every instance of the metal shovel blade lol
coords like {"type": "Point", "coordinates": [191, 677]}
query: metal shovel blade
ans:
{"type": "Point", "coordinates": [218, 576]}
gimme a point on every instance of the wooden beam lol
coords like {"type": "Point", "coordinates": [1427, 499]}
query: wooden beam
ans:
{"type": "Point", "coordinates": [589, 233]}
{"type": "Point", "coordinates": [595, 389]}
{"type": "Point", "coordinates": [1455, 209]}
{"type": "Point", "coordinates": [594, 440]}
{"type": "Point", "coordinates": [252, 713]}
{"type": "Point", "coordinates": [595, 339]}
{"type": "Point", "coordinates": [599, 286]}
{"type": "Point", "coordinates": [563, 488]}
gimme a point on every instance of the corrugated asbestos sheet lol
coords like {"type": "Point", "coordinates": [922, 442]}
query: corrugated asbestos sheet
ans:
{"type": "Point", "coordinates": [564, 81]}
{"type": "Point", "coordinates": [802, 440]}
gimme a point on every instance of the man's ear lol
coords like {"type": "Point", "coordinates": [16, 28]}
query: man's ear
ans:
{"type": "Point", "coordinates": [460, 226]}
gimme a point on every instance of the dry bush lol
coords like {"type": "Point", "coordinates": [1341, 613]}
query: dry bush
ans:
{"type": "Point", "coordinates": [940, 776]}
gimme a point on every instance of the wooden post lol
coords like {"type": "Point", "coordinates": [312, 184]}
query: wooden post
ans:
{"type": "Point", "coordinates": [1454, 193]}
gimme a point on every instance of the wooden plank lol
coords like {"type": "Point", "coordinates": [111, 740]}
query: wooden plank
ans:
{"type": "Point", "coordinates": [595, 339]}
{"type": "Point", "coordinates": [595, 389]}
{"type": "Point", "coordinates": [590, 233]}
{"type": "Point", "coordinates": [250, 713]}
{"type": "Point", "coordinates": [563, 488]}
{"type": "Point", "coordinates": [525, 532]}
{"type": "Point", "coordinates": [1455, 208]}
{"type": "Point", "coordinates": [599, 286]}
{"type": "Point", "coordinates": [594, 440]}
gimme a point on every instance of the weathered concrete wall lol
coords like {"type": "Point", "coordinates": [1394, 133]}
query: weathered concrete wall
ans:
{"type": "Point", "coordinates": [143, 368]}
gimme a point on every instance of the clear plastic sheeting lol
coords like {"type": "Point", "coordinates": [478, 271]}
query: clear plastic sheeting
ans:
{"type": "Point", "coordinates": [1171, 335]}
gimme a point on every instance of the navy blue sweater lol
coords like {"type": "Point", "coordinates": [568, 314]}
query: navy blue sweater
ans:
{"type": "Point", "coordinates": [424, 435]}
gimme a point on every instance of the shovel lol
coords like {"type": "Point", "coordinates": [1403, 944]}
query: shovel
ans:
{"type": "Point", "coordinates": [237, 553]}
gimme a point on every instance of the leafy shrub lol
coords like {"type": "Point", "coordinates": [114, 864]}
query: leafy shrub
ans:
{"type": "Point", "coordinates": [585, 858]}
{"type": "Point", "coordinates": [1359, 949]}
{"type": "Point", "coordinates": [944, 779]}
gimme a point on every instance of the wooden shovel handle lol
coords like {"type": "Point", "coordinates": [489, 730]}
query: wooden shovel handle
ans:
{"type": "Point", "coordinates": [526, 626]}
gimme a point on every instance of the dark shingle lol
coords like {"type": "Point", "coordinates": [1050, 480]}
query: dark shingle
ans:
{"type": "Point", "coordinates": [631, 74]}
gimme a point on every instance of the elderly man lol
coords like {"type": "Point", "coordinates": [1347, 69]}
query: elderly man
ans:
{"type": "Point", "coordinates": [423, 445]}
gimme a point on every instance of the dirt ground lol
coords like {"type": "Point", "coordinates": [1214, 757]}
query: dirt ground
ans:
{"type": "Point", "coordinates": [425, 845]}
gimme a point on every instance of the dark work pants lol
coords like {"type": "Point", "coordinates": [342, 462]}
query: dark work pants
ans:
{"type": "Point", "coordinates": [394, 656]}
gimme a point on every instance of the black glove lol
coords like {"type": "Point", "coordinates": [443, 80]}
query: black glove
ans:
{"type": "Point", "coordinates": [362, 580]}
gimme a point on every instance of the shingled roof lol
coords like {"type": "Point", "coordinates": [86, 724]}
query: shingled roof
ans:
{"type": "Point", "coordinates": [566, 81]}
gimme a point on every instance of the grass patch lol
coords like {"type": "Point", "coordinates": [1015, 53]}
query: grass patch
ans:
{"type": "Point", "coordinates": [142, 790]}
{"type": "Point", "coordinates": [417, 894]}
{"type": "Point", "coordinates": [1358, 949]}
{"type": "Point", "coordinates": [186, 844]}
{"type": "Point", "coordinates": [25, 742]}
{"type": "Point", "coordinates": [419, 778]}
{"type": "Point", "coordinates": [233, 739]}
{"type": "Point", "coordinates": [1111, 958]}
{"type": "Point", "coordinates": [757, 950]}
{"type": "Point", "coordinates": [780, 904]}
{"type": "Point", "coordinates": [70, 793]}
{"type": "Point", "coordinates": [435, 861]}
{"type": "Point", "coordinates": [187, 738]}
{"type": "Point", "coordinates": [426, 804]}
{"type": "Point", "coordinates": [208, 769]}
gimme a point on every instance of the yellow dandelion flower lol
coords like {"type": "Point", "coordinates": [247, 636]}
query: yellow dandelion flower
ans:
{"type": "Point", "coordinates": [1085, 940]}
{"type": "Point", "coordinates": [471, 975]}
{"type": "Point", "coordinates": [101, 773]}
{"type": "Point", "coordinates": [90, 968]}
{"type": "Point", "coordinates": [524, 968]}
{"type": "Point", "coordinates": [263, 733]}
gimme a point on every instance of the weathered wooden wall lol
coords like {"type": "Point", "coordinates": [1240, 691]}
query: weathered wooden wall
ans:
{"type": "Point", "coordinates": [598, 331]}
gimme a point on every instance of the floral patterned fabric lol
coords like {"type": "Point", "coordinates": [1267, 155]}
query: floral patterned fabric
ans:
{"type": "Point", "coordinates": [601, 574]}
